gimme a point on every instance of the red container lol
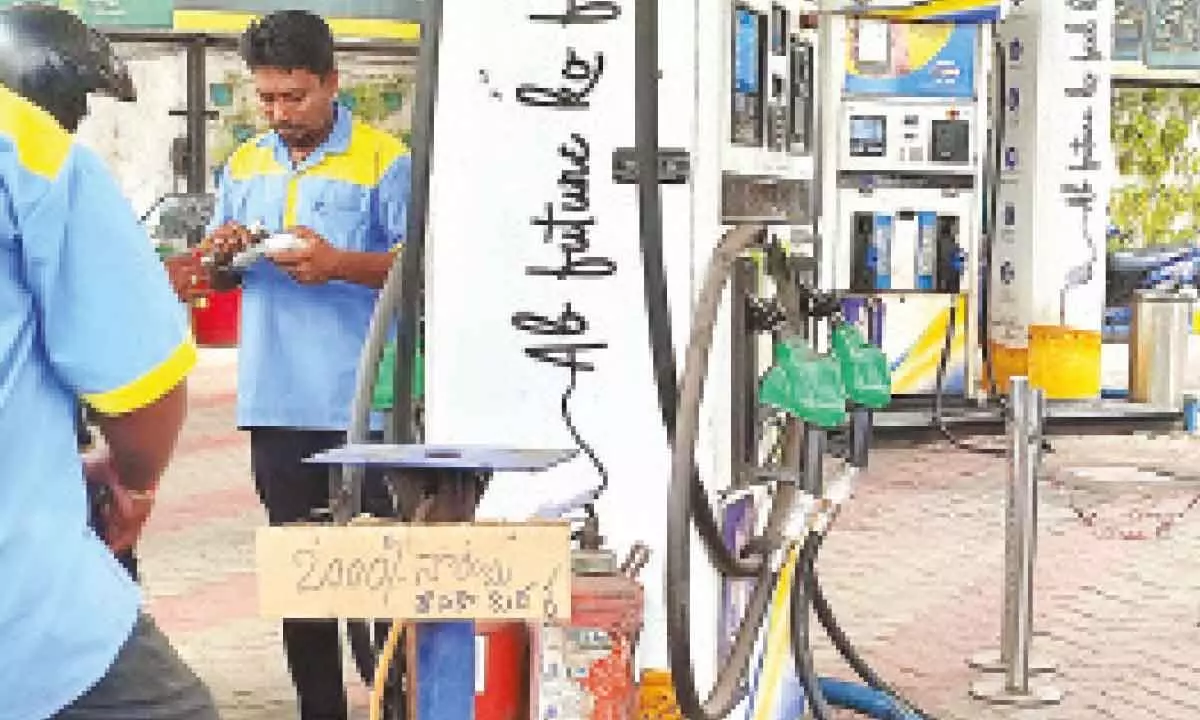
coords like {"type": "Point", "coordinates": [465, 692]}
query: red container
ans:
{"type": "Point", "coordinates": [216, 318]}
{"type": "Point", "coordinates": [585, 670]}
{"type": "Point", "coordinates": [501, 671]}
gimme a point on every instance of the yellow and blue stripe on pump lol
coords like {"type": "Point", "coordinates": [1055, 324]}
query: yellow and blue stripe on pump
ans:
{"type": "Point", "coordinates": [950, 11]}
{"type": "Point", "coordinates": [775, 691]}
{"type": "Point", "coordinates": [300, 343]}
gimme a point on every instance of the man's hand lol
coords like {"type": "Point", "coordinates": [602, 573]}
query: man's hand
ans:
{"type": "Point", "coordinates": [185, 271]}
{"type": "Point", "coordinates": [314, 263]}
{"type": "Point", "coordinates": [125, 517]}
{"type": "Point", "coordinates": [227, 240]}
{"type": "Point", "coordinates": [127, 511]}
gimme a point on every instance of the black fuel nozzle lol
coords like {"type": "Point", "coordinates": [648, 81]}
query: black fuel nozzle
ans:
{"type": "Point", "coordinates": [819, 303]}
{"type": "Point", "coordinates": [763, 315]}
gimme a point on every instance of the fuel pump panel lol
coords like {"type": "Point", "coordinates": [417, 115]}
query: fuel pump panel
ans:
{"type": "Point", "coordinates": [897, 136]}
{"type": "Point", "coordinates": [766, 161]}
{"type": "Point", "coordinates": [906, 201]}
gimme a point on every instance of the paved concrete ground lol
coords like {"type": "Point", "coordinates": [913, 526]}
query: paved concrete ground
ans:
{"type": "Point", "coordinates": [913, 568]}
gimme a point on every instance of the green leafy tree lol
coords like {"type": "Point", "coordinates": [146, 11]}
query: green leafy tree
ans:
{"type": "Point", "coordinates": [1157, 199]}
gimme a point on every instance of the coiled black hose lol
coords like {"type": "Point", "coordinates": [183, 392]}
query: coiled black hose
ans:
{"type": "Point", "coordinates": [729, 688]}
{"type": "Point", "coordinates": [939, 420]}
{"type": "Point", "coordinates": [658, 313]}
{"type": "Point", "coordinates": [801, 644]}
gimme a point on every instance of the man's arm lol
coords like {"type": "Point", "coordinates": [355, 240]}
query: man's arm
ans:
{"type": "Point", "coordinates": [141, 442]}
{"type": "Point", "coordinates": [321, 262]}
{"type": "Point", "coordinates": [391, 218]}
{"type": "Point", "coordinates": [363, 268]}
{"type": "Point", "coordinates": [111, 325]}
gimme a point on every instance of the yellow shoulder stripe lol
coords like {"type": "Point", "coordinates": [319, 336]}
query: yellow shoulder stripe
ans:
{"type": "Point", "coordinates": [150, 387]}
{"type": "Point", "coordinates": [369, 156]}
{"type": "Point", "coordinates": [42, 144]}
{"type": "Point", "coordinates": [251, 160]}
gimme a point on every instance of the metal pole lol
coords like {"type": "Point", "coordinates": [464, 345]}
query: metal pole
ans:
{"type": "Point", "coordinates": [1022, 460]}
{"type": "Point", "coordinates": [412, 263]}
{"type": "Point", "coordinates": [196, 122]}
{"type": "Point", "coordinates": [197, 116]}
{"type": "Point", "coordinates": [1018, 440]}
{"type": "Point", "coordinates": [1026, 412]}
{"type": "Point", "coordinates": [813, 455]}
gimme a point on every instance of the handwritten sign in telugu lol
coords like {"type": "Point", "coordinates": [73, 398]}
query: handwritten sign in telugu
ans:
{"type": "Point", "coordinates": [501, 571]}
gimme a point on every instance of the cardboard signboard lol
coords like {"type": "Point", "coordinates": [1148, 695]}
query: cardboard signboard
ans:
{"type": "Point", "coordinates": [482, 571]}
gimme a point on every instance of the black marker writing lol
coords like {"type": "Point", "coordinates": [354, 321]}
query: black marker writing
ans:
{"type": "Point", "coordinates": [568, 223]}
{"type": "Point", "coordinates": [575, 180]}
{"type": "Point", "coordinates": [582, 12]}
{"type": "Point", "coordinates": [583, 76]}
{"type": "Point", "coordinates": [574, 239]}
{"type": "Point", "coordinates": [381, 571]}
{"type": "Point", "coordinates": [568, 323]}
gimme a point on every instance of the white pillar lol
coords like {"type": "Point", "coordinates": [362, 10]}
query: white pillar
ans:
{"type": "Point", "coordinates": [1048, 262]}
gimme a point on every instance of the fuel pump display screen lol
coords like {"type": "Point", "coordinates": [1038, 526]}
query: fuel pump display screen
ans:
{"type": "Point", "coordinates": [868, 135]}
{"type": "Point", "coordinates": [951, 141]}
{"type": "Point", "coordinates": [749, 65]}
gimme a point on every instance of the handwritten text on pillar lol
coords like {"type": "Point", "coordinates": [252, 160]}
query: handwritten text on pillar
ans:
{"type": "Point", "coordinates": [561, 337]}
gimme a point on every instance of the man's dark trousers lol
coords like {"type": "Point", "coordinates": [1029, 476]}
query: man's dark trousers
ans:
{"type": "Point", "coordinates": [291, 490]}
{"type": "Point", "coordinates": [147, 681]}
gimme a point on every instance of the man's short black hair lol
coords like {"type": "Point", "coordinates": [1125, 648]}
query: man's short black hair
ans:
{"type": "Point", "coordinates": [289, 40]}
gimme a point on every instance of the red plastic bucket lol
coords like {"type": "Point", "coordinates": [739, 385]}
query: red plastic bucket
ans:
{"type": "Point", "coordinates": [216, 318]}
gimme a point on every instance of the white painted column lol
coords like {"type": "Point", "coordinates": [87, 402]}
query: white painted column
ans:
{"type": "Point", "coordinates": [1048, 262]}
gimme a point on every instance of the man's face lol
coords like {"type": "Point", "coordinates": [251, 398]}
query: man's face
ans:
{"type": "Point", "coordinates": [297, 104]}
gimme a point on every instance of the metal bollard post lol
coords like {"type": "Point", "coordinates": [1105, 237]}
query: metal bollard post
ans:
{"type": "Point", "coordinates": [1023, 487]}
{"type": "Point", "coordinates": [1026, 408]}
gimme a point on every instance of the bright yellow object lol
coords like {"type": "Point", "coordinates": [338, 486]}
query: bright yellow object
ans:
{"type": "Point", "coordinates": [1064, 362]}
{"type": "Point", "coordinates": [217, 22]}
{"type": "Point", "coordinates": [1006, 363]}
{"type": "Point", "coordinates": [656, 697]}
{"type": "Point", "coordinates": [390, 647]}
{"type": "Point", "coordinates": [923, 357]}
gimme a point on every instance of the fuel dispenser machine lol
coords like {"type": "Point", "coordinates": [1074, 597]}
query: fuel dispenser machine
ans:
{"type": "Point", "coordinates": [906, 205]}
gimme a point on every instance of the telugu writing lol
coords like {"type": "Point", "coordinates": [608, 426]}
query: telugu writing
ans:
{"type": "Point", "coordinates": [391, 564]}
{"type": "Point", "coordinates": [498, 602]}
{"type": "Point", "coordinates": [478, 582]}
{"type": "Point", "coordinates": [562, 337]}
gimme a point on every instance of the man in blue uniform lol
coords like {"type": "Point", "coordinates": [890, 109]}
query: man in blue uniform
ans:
{"type": "Point", "coordinates": [340, 187]}
{"type": "Point", "coordinates": [86, 312]}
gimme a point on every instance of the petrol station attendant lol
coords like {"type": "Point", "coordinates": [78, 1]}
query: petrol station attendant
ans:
{"type": "Point", "coordinates": [342, 188]}
{"type": "Point", "coordinates": [86, 313]}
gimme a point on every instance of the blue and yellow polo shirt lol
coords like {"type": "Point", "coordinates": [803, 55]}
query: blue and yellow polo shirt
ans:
{"type": "Point", "coordinates": [300, 344]}
{"type": "Point", "coordinates": [86, 310]}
